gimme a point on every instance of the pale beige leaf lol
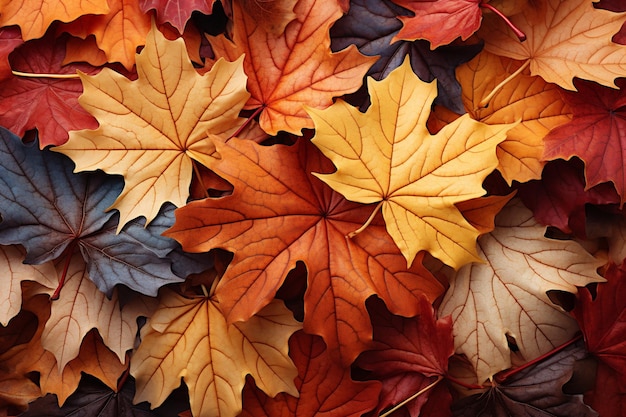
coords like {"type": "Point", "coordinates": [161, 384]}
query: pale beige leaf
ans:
{"type": "Point", "coordinates": [190, 339]}
{"type": "Point", "coordinates": [507, 294]}
{"type": "Point", "coordinates": [565, 39]}
{"type": "Point", "coordinates": [15, 272]}
{"type": "Point", "coordinates": [81, 307]}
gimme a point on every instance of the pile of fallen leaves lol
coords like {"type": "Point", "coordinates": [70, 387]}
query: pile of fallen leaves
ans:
{"type": "Point", "coordinates": [312, 208]}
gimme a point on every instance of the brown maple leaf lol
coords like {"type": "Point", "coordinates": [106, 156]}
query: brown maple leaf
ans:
{"type": "Point", "coordinates": [278, 214]}
{"type": "Point", "coordinates": [295, 68]}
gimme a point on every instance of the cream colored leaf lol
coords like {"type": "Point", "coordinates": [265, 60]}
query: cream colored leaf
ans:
{"type": "Point", "coordinates": [387, 155]}
{"type": "Point", "coordinates": [507, 294]}
{"type": "Point", "coordinates": [152, 128]}
{"type": "Point", "coordinates": [565, 39]}
{"type": "Point", "coordinates": [15, 272]}
{"type": "Point", "coordinates": [81, 307]}
{"type": "Point", "coordinates": [190, 339]}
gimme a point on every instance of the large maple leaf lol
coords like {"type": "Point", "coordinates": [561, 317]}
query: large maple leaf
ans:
{"type": "Point", "coordinates": [151, 130]}
{"type": "Point", "coordinates": [118, 33]}
{"type": "Point", "coordinates": [289, 70]}
{"type": "Point", "coordinates": [603, 322]}
{"type": "Point", "coordinates": [565, 39]}
{"type": "Point", "coordinates": [324, 389]}
{"type": "Point", "coordinates": [506, 295]}
{"type": "Point", "coordinates": [48, 104]}
{"type": "Point", "coordinates": [387, 155]}
{"type": "Point", "coordinates": [536, 391]}
{"type": "Point", "coordinates": [538, 106]}
{"type": "Point", "coordinates": [34, 17]}
{"type": "Point", "coordinates": [299, 219]}
{"type": "Point", "coordinates": [594, 135]}
{"type": "Point", "coordinates": [409, 355]}
{"type": "Point", "coordinates": [51, 211]}
{"type": "Point", "coordinates": [190, 339]}
{"type": "Point", "coordinates": [374, 39]}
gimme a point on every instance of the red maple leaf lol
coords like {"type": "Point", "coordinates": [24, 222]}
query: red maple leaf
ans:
{"type": "Point", "coordinates": [10, 38]}
{"type": "Point", "coordinates": [594, 134]}
{"type": "Point", "coordinates": [47, 104]}
{"type": "Point", "coordinates": [176, 12]}
{"type": "Point", "coordinates": [603, 323]}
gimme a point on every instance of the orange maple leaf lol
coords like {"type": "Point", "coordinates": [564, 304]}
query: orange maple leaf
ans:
{"type": "Point", "coordinates": [278, 214]}
{"type": "Point", "coordinates": [118, 33]}
{"type": "Point", "coordinates": [34, 17]}
{"type": "Point", "coordinates": [289, 70]}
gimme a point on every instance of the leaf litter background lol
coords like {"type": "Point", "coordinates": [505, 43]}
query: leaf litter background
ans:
{"type": "Point", "coordinates": [307, 207]}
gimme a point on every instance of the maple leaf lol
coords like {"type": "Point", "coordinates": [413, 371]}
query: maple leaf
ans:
{"type": "Point", "coordinates": [63, 210]}
{"type": "Point", "coordinates": [325, 389]}
{"type": "Point", "coordinates": [118, 33]}
{"type": "Point", "coordinates": [176, 12]}
{"type": "Point", "coordinates": [593, 135]}
{"type": "Point", "coordinates": [272, 15]}
{"type": "Point", "coordinates": [190, 339]}
{"type": "Point", "coordinates": [150, 131]}
{"type": "Point", "coordinates": [602, 320]}
{"type": "Point", "coordinates": [407, 356]}
{"type": "Point", "coordinates": [300, 219]}
{"type": "Point", "coordinates": [506, 295]}
{"type": "Point", "coordinates": [48, 104]}
{"type": "Point", "coordinates": [560, 198]}
{"type": "Point", "coordinates": [387, 155]}
{"type": "Point", "coordinates": [374, 39]}
{"type": "Point", "coordinates": [537, 104]}
{"type": "Point", "coordinates": [536, 391]}
{"type": "Point", "coordinates": [439, 22]}
{"type": "Point", "coordinates": [481, 212]}
{"type": "Point", "coordinates": [34, 17]}
{"type": "Point", "coordinates": [9, 39]}
{"type": "Point", "coordinates": [294, 68]}
{"type": "Point", "coordinates": [11, 261]}
{"type": "Point", "coordinates": [564, 40]}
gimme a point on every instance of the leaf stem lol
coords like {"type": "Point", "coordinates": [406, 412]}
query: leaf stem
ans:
{"type": "Point", "coordinates": [196, 171]}
{"type": "Point", "coordinates": [503, 376]}
{"type": "Point", "coordinates": [367, 223]}
{"type": "Point", "coordinates": [41, 75]}
{"type": "Point", "coordinates": [68, 258]}
{"type": "Point", "coordinates": [412, 397]}
{"type": "Point", "coordinates": [213, 286]}
{"type": "Point", "coordinates": [486, 100]}
{"type": "Point", "coordinates": [464, 384]}
{"type": "Point", "coordinates": [518, 32]}
{"type": "Point", "coordinates": [247, 122]}
{"type": "Point", "coordinates": [123, 378]}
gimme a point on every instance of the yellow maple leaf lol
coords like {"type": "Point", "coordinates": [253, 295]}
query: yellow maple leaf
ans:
{"type": "Point", "coordinates": [152, 128]}
{"type": "Point", "coordinates": [387, 155]}
{"type": "Point", "coordinates": [507, 294]}
{"type": "Point", "coordinates": [190, 339]}
{"type": "Point", "coordinates": [565, 39]}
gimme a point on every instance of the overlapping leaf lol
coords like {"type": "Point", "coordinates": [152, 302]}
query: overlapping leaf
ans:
{"type": "Point", "coordinates": [290, 70]}
{"type": "Point", "coordinates": [190, 339]}
{"type": "Point", "coordinates": [506, 295]}
{"type": "Point", "coordinates": [387, 155]}
{"type": "Point", "coordinates": [375, 39]}
{"type": "Point", "coordinates": [537, 104]}
{"type": "Point", "coordinates": [300, 219]}
{"type": "Point", "coordinates": [9, 39]}
{"type": "Point", "coordinates": [48, 104]}
{"type": "Point", "coordinates": [176, 12]}
{"type": "Point", "coordinates": [566, 39]}
{"type": "Point", "coordinates": [151, 130]}
{"type": "Point", "coordinates": [324, 389]}
{"type": "Point", "coordinates": [49, 210]}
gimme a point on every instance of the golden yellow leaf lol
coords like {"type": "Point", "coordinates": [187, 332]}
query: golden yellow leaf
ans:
{"type": "Point", "coordinates": [34, 17]}
{"type": "Point", "coordinates": [537, 104]}
{"type": "Point", "coordinates": [565, 39]}
{"type": "Point", "coordinates": [190, 339]}
{"type": "Point", "coordinates": [152, 128]}
{"type": "Point", "coordinates": [507, 294]}
{"type": "Point", "coordinates": [387, 155]}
